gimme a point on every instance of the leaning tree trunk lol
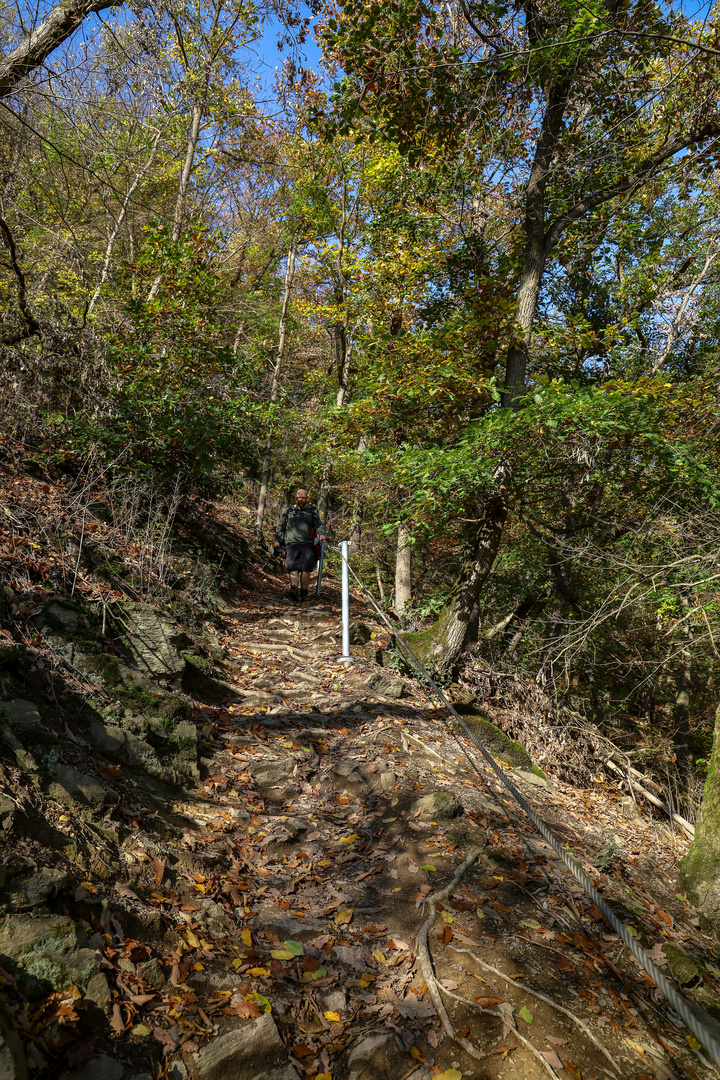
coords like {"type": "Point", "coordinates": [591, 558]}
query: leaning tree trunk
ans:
{"type": "Point", "coordinates": [274, 389]}
{"type": "Point", "coordinates": [700, 869]}
{"type": "Point", "coordinates": [441, 646]}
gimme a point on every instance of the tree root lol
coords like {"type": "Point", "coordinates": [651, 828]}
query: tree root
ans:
{"type": "Point", "coordinates": [426, 964]}
{"type": "Point", "coordinates": [491, 1012]}
{"type": "Point", "coordinates": [548, 1001]}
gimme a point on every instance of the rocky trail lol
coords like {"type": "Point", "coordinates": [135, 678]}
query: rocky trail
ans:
{"type": "Point", "coordinates": [255, 876]}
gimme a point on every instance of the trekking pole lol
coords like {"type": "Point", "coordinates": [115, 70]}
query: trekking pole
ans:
{"type": "Point", "coordinates": [320, 567]}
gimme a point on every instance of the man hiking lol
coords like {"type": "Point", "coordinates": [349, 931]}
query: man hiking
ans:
{"type": "Point", "coordinates": [298, 531]}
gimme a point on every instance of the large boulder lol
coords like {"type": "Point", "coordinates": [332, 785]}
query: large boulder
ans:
{"type": "Point", "coordinates": [385, 686]}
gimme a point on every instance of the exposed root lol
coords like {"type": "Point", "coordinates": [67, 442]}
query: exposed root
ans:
{"type": "Point", "coordinates": [548, 1001]}
{"type": "Point", "coordinates": [491, 1012]}
{"type": "Point", "coordinates": [426, 964]}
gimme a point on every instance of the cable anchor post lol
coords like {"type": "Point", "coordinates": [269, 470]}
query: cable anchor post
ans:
{"type": "Point", "coordinates": [346, 658]}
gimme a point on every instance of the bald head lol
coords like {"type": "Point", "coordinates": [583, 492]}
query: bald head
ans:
{"type": "Point", "coordinates": [301, 498]}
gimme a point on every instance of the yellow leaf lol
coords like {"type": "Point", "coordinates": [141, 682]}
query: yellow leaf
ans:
{"type": "Point", "coordinates": [331, 1015]}
{"type": "Point", "coordinates": [447, 918]}
{"type": "Point", "coordinates": [350, 839]}
{"type": "Point", "coordinates": [88, 887]}
{"type": "Point", "coordinates": [192, 940]}
{"type": "Point", "coordinates": [259, 971]}
{"type": "Point", "coordinates": [692, 1042]}
{"type": "Point", "coordinates": [282, 954]}
{"type": "Point", "coordinates": [198, 967]}
{"type": "Point", "coordinates": [379, 955]}
{"type": "Point", "coordinates": [323, 1076]}
{"type": "Point", "coordinates": [343, 917]}
{"type": "Point", "coordinates": [414, 1052]}
{"type": "Point", "coordinates": [364, 981]}
{"type": "Point", "coordinates": [449, 1074]}
{"type": "Point", "coordinates": [246, 937]}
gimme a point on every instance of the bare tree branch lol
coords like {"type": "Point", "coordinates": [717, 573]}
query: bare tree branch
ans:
{"type": "Point", "coordinates": [63, 20]}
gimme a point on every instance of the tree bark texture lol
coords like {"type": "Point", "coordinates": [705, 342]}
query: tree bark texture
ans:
{"type": "Point", "coordinates": [274, 389]}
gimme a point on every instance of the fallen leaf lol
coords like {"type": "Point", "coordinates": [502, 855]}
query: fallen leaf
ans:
{"type": "Point", "coordinates": [330, 1015]}
{"type": "Point", "coordinates": [447, 918]}
{"type": "Point", "coordinates": [555, 1041]}
{"type": "Point", "coordinates": [246, 937]}
{"type": "Point", "coordinates": [532, 924]}
{"type": "Point", "coordinates": [526, 1015]}
{"type": "Point", "coordinates": [294, 947]}
{"type": "Point", "coordinates": [552, 1059]}
{"type": "Point", "coordinates": [449, 1074]}
{"type": "Point", "coordinates": [414, 1052]}
{"type": "Point", "coordinates": [487, 1002]}
{"type": "Point", "coordinates": [427, 866]}
{"type": "Point", "coordinates": [343, 917]}
{"type": "Point", "coordinates": [282, 954]}
{"type": "Point", "coordinates": [446, 936]}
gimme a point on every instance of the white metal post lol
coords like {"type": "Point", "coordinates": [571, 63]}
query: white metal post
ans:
{"type": "Point", "coordinates": [346, 658]}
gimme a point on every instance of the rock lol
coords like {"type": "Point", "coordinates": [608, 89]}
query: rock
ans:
{"type": "Point", "coordinates": [360, 633]}
{"type": "Point", "coordinates": [198, 679]}
{"type": "Point", "coordinates": [26, 893]}
{"type": "Point", "coordinates": [151, 971]}
{"type": "Point", "coordinates": [532, 778]}
{"type": "Point", "coordinates": [385, 686]}
{"type": "Point", "coordinates": [7, 813]}
{"type": "Point", "coordinates": [464, 700]}
{"type": "Point", "coordinates": [78, 785]}
{"type": "Point", "coordinates": [628, 808]}
{"type": "Point", "coordinates": [46, 950]}
{"type": "Point", "coordinates": [242, 1054]}
{"type": "Point", "coordinates": [61, 616]}
{"type": "Point", "coordinates": [387, 780]}
{"type": "Point", "coordinates": [98, 991]}
{"type": "Point", "coordinates": [376, 1056]}
{"type": "Point", "coordinates": [154, 640]}
{"type": "Point", "coordinates": [349, 956]}
{"type": "Point", "coordinates": [437, 806]}
{"type": "Point", "coordinates": [23, 719]}
{"type": "Point", "coordinates": [186, 737]}
{"type": "Point", "coordinates": [100, 1068]}
{"type": "Point", "coordinates": [178, 1071]}
{"type": "Point", "coordinates": [333, 1001]}
{"type": "Point", "coordinates": [13, 1063]}
{"type": "Point", "coordinates": [270, 775]}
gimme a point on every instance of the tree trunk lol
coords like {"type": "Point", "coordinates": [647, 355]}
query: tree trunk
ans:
{"type": "Point", "coordinates": [265, 475]}
{"type": "Point", "coordinates": [441, 645]}
{"type": "Point", "coordinates": [535, 242]}
{"type": "Point", "coordinates": [700, 869]}
{"type": "Point", "coordinates": [403, 581]}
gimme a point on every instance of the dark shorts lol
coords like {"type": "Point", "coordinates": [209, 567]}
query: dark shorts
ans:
{"type": "Point", "coordinates": [300, 557]}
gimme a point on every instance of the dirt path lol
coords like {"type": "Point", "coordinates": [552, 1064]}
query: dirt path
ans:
{"type": "Point", "coordinates": [306, 860]}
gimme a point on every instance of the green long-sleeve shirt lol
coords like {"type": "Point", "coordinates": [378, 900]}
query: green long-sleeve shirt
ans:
{"type": "Point", "coordinates": [296, 525]}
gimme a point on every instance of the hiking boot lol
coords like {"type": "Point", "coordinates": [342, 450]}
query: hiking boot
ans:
{"type": "Point", "coordinates": [303, 594]}
{"type": "Point", "coordinates": [294, 594]}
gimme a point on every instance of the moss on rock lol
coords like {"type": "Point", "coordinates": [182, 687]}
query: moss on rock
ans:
{"type": "Point", "coordinates": [500, 744]}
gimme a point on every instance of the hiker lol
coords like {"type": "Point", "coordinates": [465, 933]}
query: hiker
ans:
{"type": "Point", "coordinates": [299, 529]}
